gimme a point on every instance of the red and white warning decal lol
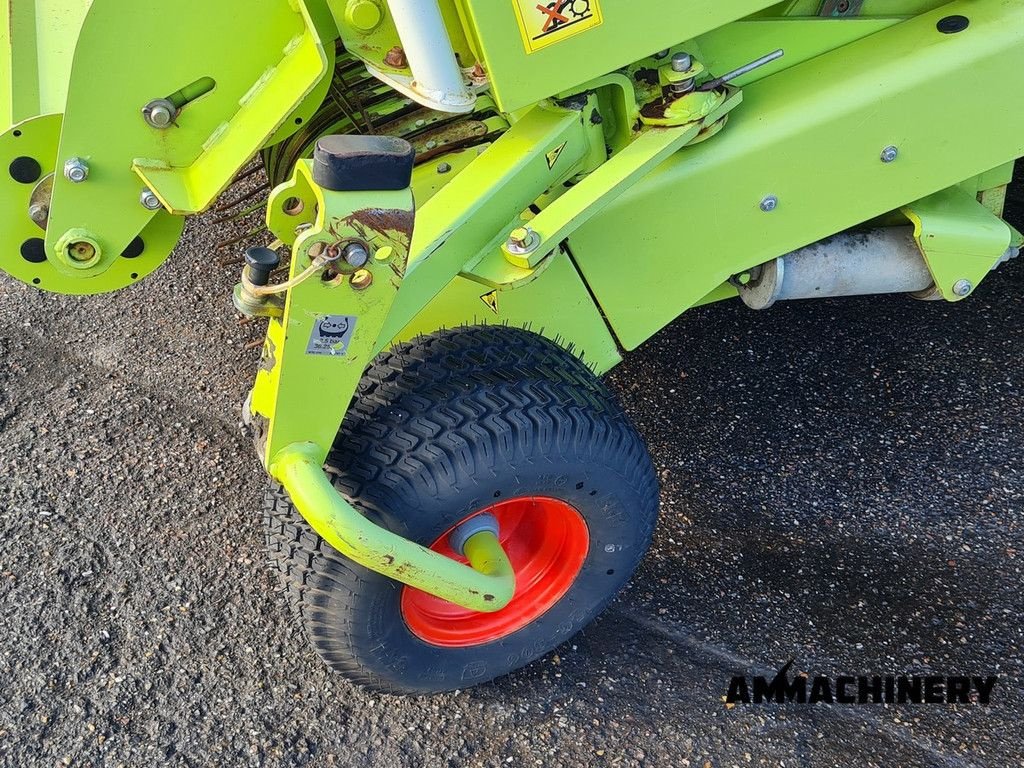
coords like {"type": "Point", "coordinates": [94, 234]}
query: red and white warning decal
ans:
{"type": "Point", "coordinates": [544, 23]}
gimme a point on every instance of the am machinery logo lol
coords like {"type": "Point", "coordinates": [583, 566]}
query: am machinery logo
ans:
{"type": "Point", "coordinates": [860, 689]}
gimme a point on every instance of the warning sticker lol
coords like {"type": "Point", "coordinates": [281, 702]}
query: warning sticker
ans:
{"type": "Point", "coordinates": [332, 335]}
{"type": "Point", "coordinates": [491, 300]}
{"type": "Point", "coordinates": [554, 154]}
{"type": "Point", "coordinates": [544, 23]}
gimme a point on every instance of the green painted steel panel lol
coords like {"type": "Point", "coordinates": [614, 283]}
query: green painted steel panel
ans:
{"type": "Point", "coordinates": [629, 31]}
{"type": "Point", "coordinates": [812, 136]}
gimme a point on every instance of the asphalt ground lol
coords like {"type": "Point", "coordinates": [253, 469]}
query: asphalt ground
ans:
{"type": "Point", "coordinates": [842, 486]}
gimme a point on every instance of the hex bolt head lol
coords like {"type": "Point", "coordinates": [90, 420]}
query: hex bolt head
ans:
{"type": "Point", "coordinates": [76, 170]}
{"type": "Point", "coordinates": [362, 279]}
{"type": "Point", "coordinates": [444, 168]}
{"type": "Point", "coordinates": [38, 212]}
{"type": "Point", "coordinates": [769, 204]}
{"type": "Point", "coordinates": [962, 287]}
{"type": "Point", "coordinates": [150, 201]}
{"type": "Point", "coordinates": [396, 58]}
{"type": "Point", "coordinates": [889, 154]}
{"type": "Point", "coordinates": [355, 255]}
{"type": "Point", "coordinates": [682, 62]}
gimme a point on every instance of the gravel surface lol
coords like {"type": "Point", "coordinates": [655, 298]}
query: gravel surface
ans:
{"type": "Point", "coordinates": [842, 485]}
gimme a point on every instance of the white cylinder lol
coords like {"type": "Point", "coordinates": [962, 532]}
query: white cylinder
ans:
{"type": "Point", "coordinates": [849, 264]}
{"type": "Point", "coordinates": [436, 76]}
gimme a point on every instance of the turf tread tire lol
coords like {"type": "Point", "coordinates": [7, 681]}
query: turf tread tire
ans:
{"type": "Point", "coordinates": [441, 412]}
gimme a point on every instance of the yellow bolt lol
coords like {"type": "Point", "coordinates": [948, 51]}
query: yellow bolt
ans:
{"type": "Point", "coordinates": [364, 15]}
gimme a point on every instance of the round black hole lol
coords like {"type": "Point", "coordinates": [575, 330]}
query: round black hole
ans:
{"type": "Point", "coordinates": [34, 250]}
{"type": "Point", "coordinates": [298, 121]}
{"type": "Point", "coordinates": [497, 494]}
{"type": "Point", "coordinates": [953, 24]}
{"type": "Point", "coordinates": [17, 134]}
{"type": "Point", "coordinates": [611, 571]}
{"type": "Point", "coordinates": [36, 281]}
{"type": "Point", "coordinates": [134, 249]}
{"type": "Point", "coordinates": [593, 493]}
{"type": "Point", "coordinates": [135, 275]}
{"type": "Point", "coordinates": [25, 170]}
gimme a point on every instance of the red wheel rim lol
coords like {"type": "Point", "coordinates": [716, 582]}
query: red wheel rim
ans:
{"type": "Point", "coordinates": [546, 541]}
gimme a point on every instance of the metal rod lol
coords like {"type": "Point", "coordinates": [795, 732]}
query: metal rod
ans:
{"type": "Point", "coordinates": [720, 81]}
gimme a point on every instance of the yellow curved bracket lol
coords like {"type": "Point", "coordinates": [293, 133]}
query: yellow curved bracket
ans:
{"type": "Point", "coordinates": [486, 586]}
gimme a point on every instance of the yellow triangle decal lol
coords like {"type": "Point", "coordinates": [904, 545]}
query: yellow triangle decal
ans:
{"type": "Point", "coordinates": [491, 300]}
{"type": "Point", "coordinates": [554, 154]}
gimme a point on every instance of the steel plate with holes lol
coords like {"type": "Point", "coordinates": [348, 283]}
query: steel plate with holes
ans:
{"type": "Point", "coordinates": [28, 153]}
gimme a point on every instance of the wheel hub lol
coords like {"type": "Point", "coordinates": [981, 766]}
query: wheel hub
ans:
{"type": "Point", "coordinates": [546, 541]}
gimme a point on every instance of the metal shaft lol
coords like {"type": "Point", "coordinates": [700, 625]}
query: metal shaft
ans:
{"type": "Point", "coordinates": [720, 81]}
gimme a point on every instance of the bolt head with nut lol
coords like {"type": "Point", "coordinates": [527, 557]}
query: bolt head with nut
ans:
{"type": "Point", "coordinates": [76, 170]}
{"type": "Point", "coordinates": [769, 204]}
{"type": "Point", "coordinates": [39, 213]}
{"type": "Point", "coordinates": [523, 241]}
{"type": "Point", "coordinates": [355, 255]}
{"type": "Point", "coordinates": [396, 58]}
{"type": "Point", "coordinates": [150, 201]}
{"type": "Point", "coordinates": [682, 62]}
{"type": "Point", "coordinates": [520, 237]}
{"type": "Point", "coordinates": [889, 154]}
{"type": "Point", "coordinates": [962, 288]}
{"type": "Point", "coordinates": [160, 113]}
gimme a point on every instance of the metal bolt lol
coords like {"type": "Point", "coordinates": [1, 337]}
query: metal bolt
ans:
{"type": "Point", "coordinates": [356, 255]}
{"type": "Point", "coordinates": [889, 154]}
{"type": "Point", "coordinates": [523, 240]}
{"type": "Point", "coordinates": [76, 170]}
{"type": "Point", "coordinates": [962, 287]}
{"type": "Point", "coordinates": [160, 113]}
{"type": "Point", "coordinates": [682, 62]}
{"type": "Point", "coordinates": [362, 279]}
{"type": "Point", "coordinates": [444, 168]}
{"type": "Point", "coordinates": [396, 58]}
{"type": "Point", "coordinates": [150, 201]}
{"type": "Point", "coordinates": [39, 213]}
{"type": "Point", "coordinates": [769, 204]}
{"type": "Point", "coordinates": [662, 54]}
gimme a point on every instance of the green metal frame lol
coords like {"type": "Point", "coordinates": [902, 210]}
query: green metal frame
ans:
{"type": "Point", "coordinates": [633, 215]}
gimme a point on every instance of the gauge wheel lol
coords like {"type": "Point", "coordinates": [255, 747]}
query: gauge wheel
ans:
{"type": "Point", "coordinates": [478, 420]}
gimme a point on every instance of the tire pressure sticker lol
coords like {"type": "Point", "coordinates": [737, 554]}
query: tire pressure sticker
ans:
{"type": "Point", "coordinates": [332, 335]}
{"type": "Point", "coordinates": [544, 23]}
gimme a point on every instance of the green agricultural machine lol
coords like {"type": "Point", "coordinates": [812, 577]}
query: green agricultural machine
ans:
{"type": "Point", "coordinates": [473, 208]}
